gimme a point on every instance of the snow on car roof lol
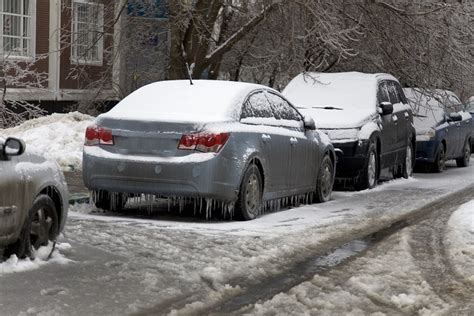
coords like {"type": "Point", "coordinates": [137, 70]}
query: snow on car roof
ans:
{"type": "Point", "coordinates": [178, 100]}
{"type": "Point", "coordinates": [346, 90]}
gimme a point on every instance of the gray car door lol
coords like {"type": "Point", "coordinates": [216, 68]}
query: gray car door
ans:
{"type": "Point", "coordinates": [12, 190]}
{"type": "Point", "coordinates": [303, 160]}
{"type": "Point", "coordinates": [275, 145]}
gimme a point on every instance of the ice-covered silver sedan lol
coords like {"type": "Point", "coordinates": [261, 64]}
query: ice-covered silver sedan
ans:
{"type": "Point", "coordinates": [222, 145]}
{"type": "Point", "coordinates": [33, 199]}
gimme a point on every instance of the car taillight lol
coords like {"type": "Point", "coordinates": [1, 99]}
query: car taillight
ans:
{"type": "Point", "coordinates": [203, 142]}
{"type": "Point", "coordinates": [98, 135]}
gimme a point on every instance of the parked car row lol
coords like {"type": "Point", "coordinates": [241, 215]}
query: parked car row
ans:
{"type": "Point", "coordinates": [241, 147]}
{"type": "Point", "coordinates": [247, 145]}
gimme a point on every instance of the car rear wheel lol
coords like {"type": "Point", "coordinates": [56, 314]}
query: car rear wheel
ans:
{"type": "Point", "coordinates": [249, 202]}
{"type": "Point", "coordinates": [466, 155]}
{"type": "Point", "coordinates": [368, 178]}
{"type": "Point", "coordinates": [440, 161]}
{"type": "Point", "coordinates": [109, 201]}
{"type": "Point", "coordinates": [408, 164]}
{"type": "Point", "coordinates": [41, 226]}
{"type": "Point", "coordinates": [325, 180]}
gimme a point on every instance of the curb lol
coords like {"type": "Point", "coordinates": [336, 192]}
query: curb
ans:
{"type": "Point", "coordinates": [79, 198]}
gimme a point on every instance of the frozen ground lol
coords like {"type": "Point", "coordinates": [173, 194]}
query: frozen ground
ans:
{"type": "Point", "coordinates": [460, 241]}
{"type": "Point", "coordinates": [152, 263]}
{"type": "Point", "coordinates": [424, 269]}
{"type": "Point", "coordinates": [158, 262]}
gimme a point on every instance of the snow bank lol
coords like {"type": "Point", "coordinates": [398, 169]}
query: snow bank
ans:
{"type": "Point", "coordinates": [58, 137]}
{"type": "Point", "coordinates": [460, 240]}
{"type": "Point", "coordinates": [15, 265]}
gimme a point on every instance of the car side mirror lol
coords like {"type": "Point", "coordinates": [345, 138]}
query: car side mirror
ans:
{"type": "Point", "coordinates": [13, 147]}
{"type": "Point", "coordinates": [386, 108]}
{"type": "Point", "coordinates": [309, 123]}
{"type": "Point", "coordinates": [454, 117]}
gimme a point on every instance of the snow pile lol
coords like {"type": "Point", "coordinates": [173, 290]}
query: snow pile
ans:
{"type": "Point", "coordinates": [460, 240]}
{"type": "Point", "coordinates": [15, 265]}
{"type": "Point", "coordinates": [58, 137]}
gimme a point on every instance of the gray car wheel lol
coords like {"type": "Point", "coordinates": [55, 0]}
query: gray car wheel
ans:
{"type": "Point", "coordinates": [408, 164]}
{"type": "Point", "coordinates": [440, 161]}
{"type": "Point", "coordinates": [369, 176]}
{"type": "Point", "coordinates": [325, 180]}
{"type": "Point", "coordinates": [41, 226]}
{"type": "Point", "coordinates": [249, 203]}
{"type": "Point", "coordinates": [466, 155]}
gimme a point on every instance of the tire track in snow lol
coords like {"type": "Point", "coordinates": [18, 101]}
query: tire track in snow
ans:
{"type": "Point", "coordinates": [432, 220]}
{"type": "Point", "coordinates": [432, 258]}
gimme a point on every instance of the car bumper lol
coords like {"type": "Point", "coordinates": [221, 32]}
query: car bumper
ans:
{"type": "Point", "coordinates": [426, 151]}
{"type": "Point", "coordinates": [352, 161]}
{"type": "Point", "coordinates": [201, 175]}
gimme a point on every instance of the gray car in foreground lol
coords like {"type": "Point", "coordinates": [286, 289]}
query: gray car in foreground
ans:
{"type": "Point", "coordinates": [33, 200]}
{"type": "Point", "coordinates": [220, 145]}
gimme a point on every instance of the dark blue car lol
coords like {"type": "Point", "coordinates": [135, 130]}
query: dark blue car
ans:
{"type": "Point", "coordinates": [443, 128]}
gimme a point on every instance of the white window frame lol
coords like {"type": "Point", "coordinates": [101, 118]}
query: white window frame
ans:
{"type": "Point", "coordinates": [80, 60]}
{"type": "Point", "coordinates": [32, 16]}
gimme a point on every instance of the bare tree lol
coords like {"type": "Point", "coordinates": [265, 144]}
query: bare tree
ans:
{"type": "Point", "coordinates": [16, 74]}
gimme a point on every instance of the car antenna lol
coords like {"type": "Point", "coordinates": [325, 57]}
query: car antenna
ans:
{"type": "Point", "coordinates": [189, 74]}
{"type": "Point", "coordinates": [187, 65]}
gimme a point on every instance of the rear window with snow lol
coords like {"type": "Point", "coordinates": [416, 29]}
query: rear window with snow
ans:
{"type": "Point", "coordinates": [180, 101]}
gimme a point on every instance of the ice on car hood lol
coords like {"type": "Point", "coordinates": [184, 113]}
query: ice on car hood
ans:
{"type": "Point", "coordinates": [334, 100]}
{"type": "Point", "coordinates": [179, 101]}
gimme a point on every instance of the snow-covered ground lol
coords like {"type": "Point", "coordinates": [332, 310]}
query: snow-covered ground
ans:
{"type": "Point", "coordinates": [152, 262]}
{"type": "Point", "coordinates": [460, 241]}
{"type": "Point", "coordinates": [42, 256]}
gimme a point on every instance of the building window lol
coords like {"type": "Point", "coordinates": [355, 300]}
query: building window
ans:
{"type": "Point", "coordinates": [17, 28]}
{"type": "Point", "coordinates": [87, 32]}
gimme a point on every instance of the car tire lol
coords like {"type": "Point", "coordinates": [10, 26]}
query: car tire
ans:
{"type": "Point", "coordinates": [368, 178]}
{"type": "Point", "coordinates": [249, 202]}
{"type": "Point", "coordinates": [109, 201]}
{"type": "Point", "coordinates": [325, 181]}
{"type": "Point", "coordinates": [466, 155]}
{"type": "Point", "coordinates": [409, 163]}
{"type": "Point", "coordinates": [40, 227]}
{"type": "Point", "coordinates": [440, 160]}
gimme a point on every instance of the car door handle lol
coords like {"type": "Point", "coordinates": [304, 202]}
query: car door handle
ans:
{"type": "Point", "coordinates": [266, 138]}
{"type": "Point", "coordinates": [7, 210]}
{"type": "Point", "coordinates": [293, 141]}
{"type": "Point", "coordinates": [395, 118]}
{"type": "Point", "coordinates": [458, 124]}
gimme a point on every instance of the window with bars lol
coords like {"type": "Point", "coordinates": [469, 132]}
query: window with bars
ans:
{"type": "Point", "coordinates": [17, 28]}
{"type": "Point", "coordinates": [87, 32]}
